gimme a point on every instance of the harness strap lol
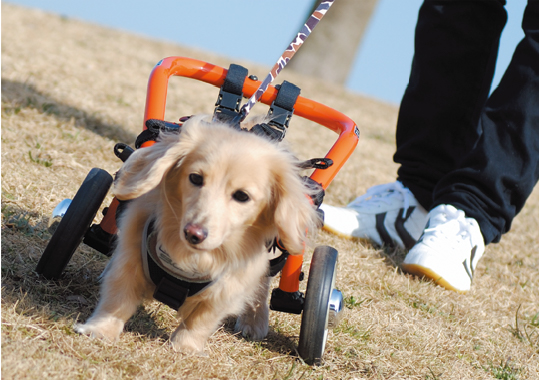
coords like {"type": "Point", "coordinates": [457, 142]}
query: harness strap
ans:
{"type": "Point", "coordinates": [286, 99]}
{"type": "Point", "coordinates": [317, 191]}
{"type": "Point", "coordinates": [231, 93]}
{"type": "Point", "coordinates": [280, 112]}
{"type": "Point", "coordinates": [277, 264]}
{"type": "Point", "coordinates": [154, 127]}
{"type": "Point", "coordinates": [171, 289]}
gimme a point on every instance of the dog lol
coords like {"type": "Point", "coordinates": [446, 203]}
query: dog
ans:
{"type": "Point", "coordinates": [214, 196]}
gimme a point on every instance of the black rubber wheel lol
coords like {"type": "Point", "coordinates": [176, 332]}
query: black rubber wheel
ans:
{"type": "Point", "coordinates": [74, 224]}
{"type": "Point", "coordinates": [314, 322]}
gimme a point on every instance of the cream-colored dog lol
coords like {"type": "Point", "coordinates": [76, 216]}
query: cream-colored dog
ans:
{"type": "Point", "coordinates": [216, 196]}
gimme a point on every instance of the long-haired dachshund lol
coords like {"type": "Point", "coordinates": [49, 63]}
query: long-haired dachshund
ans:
{"type": "Point", "coordinates": [203, 205]}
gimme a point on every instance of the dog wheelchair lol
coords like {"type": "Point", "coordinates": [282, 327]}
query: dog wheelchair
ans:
{"type": "Point", "coordinates": [322, 304]}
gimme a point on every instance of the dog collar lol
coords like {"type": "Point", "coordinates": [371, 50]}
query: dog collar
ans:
{"type": "Point", "coordinates": [172, 287]}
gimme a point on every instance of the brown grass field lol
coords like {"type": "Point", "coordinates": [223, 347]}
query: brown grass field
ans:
{"type": "Point", "coordinates": [72, 90]}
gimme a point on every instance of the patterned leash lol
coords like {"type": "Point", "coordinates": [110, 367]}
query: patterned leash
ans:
{"type": "Point", "coordinates": [313, 20]}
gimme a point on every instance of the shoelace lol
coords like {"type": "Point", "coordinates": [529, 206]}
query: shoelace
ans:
{"type": "Point", "coordinates": [383, 193]}
{"type": "Point", "coordinates": [454, 225]}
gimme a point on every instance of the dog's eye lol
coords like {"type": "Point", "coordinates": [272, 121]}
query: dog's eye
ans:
{"type": "Point", "coordinates": [196, 179]}
{"type": "Point", "coordinates": [240, 196]}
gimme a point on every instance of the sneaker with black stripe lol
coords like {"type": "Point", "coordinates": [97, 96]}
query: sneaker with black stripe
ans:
{"type": "Point", "coordinates": [448, 251]}
{"type": "Point", "coordinates": [387, 214]}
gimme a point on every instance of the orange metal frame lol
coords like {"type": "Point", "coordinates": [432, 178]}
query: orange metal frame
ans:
{"type": "Point", "coordinates": [341, 150]}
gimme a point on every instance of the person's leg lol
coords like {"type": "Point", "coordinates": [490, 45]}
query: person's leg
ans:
{"type": "Point", "coordinates": [495, 179]}
{"type": "Point", "coordinates": [456, 46]}
{"type": "Point", "coordinates": [476, 203]}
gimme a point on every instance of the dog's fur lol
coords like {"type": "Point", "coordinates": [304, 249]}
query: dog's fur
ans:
{"type": "Point", "coordinates": [227, 165]}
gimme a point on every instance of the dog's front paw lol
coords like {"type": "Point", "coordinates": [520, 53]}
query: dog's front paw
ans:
{"type": "Point", "coordinates": [104, 328]}
{"type": "Point", "coordinates": [185, 341]}
{"type": "Point", "coordinates": [252, 328]}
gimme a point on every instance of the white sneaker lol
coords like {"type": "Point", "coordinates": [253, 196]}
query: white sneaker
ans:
{"type": "Point", "coordinates": [448, 250]}
{"type": "Point", "coordinates": [387, 214]}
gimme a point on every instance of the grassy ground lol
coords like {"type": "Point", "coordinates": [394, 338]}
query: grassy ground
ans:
{"type": "Point", "coordinates": [71, 90]}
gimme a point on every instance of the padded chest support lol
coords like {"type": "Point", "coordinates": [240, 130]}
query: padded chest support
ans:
{"type": "Point", "coordinates": [171, 289]}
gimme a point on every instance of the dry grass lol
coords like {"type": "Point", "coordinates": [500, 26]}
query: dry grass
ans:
{"type": "Point", "coordinates": [71, 90]}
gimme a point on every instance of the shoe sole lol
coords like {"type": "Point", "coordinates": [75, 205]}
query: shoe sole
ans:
{"type": "Point", "coordinates": [339, 234]}
{"type": "Point", "coordinates": [351, 237]}
{"type": "Point", "coordinates": [422, 272]}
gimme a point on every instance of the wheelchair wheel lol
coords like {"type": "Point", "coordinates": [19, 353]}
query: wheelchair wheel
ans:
{"type": "Point", "coordinates": [74, 224]}
{"type": "Point", "coordinates": [314, 322]}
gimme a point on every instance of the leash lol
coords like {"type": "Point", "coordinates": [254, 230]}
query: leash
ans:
{"type": "Point", "coordinates": [305, 31]}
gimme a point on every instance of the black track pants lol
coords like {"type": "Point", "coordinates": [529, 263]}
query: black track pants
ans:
{"type": "Point", "coordinates": [455, 144]}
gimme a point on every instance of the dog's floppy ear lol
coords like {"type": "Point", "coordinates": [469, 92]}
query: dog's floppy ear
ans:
{"type": "Point", "coordinates": [145, 168]}
{"type": "Point", "coordinates": [295, 217]}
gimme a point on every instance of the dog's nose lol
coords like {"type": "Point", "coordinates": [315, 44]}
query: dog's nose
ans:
{"type": "Point", "coordinates": [194, 233]}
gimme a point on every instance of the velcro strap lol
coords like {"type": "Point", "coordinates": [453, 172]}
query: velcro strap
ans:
{"type": "Point", "coordinates": [235, 77]}
{"type": "Point", "coordinates": [282, 108]}
{"type": "Point", "coordinates": [280, 112]}
{"type": "Point", "coordinates": [287, 96]}
{"type": "Point", "coordinates": [154, 127]}
{"type": "Point", "coordinates": [231, 93]}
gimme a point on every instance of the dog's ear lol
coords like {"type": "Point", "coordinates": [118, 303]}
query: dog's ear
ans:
{"type": "Point", "coordinates": [295, 216]}
{"type": "Point", "coordinates": [145, 168]}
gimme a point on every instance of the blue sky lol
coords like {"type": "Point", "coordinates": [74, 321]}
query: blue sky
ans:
{"type": "Point", "coordinates": [259, 31]}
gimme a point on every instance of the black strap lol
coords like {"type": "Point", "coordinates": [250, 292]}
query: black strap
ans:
{"type": "Point", "coordinates": [317, 195]}
{"type": "Point", "coordinates": [170, 290]}
{"type": "Point", "coordinates": [154, 127]}
{"type": "Point", "coordinates": [267, 131]}
{"type": "Point", "coordinates": [144, 136]}
{"type": "Point", "coordinates": [123, 151]}
{"type": "Point", "coordinates": [287, 96]}
{"type": "Point", "coordinates": [316, 163]}
{"type": "Point", "coordinates": [277, 264]}
{"type": "Point", "coordinates": [231, 93]}
{"type": "Point", "coordinates": [317, 191]}
{"type": "Point", "coordinates": [170, 293]}
{"type": "Point", "coordinates": [280, 112]}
